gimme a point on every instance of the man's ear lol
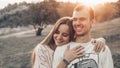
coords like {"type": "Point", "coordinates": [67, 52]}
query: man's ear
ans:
{"type": "Point", "coordinates": [93, 22]}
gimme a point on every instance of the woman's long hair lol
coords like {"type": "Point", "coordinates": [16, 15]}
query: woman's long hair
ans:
{"type": "Point", "coordinates": [49, 39]}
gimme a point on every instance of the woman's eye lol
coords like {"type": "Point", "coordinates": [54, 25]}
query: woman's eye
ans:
{"type": "Point", "coordinates": [65, 35]}
{"type": "Point", "coordinates": [74, 19]}
{"type": "Point", "coordinates": [57, 32]}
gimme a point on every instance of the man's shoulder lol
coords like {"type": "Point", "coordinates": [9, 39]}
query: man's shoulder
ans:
{"type": "Point", "coordinates": [106, 51]}
{"type": "Point", "coordinates": [107, 48]}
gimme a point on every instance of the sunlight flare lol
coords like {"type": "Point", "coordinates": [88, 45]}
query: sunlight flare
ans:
{"type": "Point", "coordinates": [95, 2]}
{"type": "Point", "coordinates": [89, 2]}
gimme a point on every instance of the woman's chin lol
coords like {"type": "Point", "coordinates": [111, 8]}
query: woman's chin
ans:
{"type": "Point", "coordinates": [59, 44]}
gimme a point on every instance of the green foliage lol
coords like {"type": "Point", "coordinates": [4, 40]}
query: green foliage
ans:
{"type": "Point", "coordinates": [43, 13]}
{"type": "Point", "coordinates": [107, 13]}
{"type": "Point", "coordinates": [65, 9]}
{"type": "Point", "coordinates": [14, 20]}
{"type": "Point", "coordinates": [48, 12]}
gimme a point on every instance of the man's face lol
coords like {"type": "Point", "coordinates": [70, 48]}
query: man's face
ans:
{"type": "Point", "coordinates": [81, 22]}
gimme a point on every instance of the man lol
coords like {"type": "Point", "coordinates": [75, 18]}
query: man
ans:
{"type": "Point", "coordinates": [83, 18]}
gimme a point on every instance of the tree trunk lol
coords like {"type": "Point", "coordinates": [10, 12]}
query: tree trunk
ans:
{"type": "Point", "coordinates": [39, 31]}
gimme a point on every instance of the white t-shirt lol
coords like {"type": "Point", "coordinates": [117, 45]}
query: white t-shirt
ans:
{"type": "Point", "coordinates": [90, 60]}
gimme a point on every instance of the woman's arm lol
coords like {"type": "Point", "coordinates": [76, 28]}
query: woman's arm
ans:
{"type": "Point", "coordinates": [70, 55]}
{"type": "Point", "coordinates": [100, 44]}
{"type": "Point", "coordinates": [40, 58]}
{"type": "Point", "coordinates": [78, 52]}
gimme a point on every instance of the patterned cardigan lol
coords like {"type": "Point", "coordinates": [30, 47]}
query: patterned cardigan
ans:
{"type": "Point", "coordinates": [43, 56]}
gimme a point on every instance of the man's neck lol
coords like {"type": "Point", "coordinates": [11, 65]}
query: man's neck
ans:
{"type": "Point", "coordinates": [83, 39]}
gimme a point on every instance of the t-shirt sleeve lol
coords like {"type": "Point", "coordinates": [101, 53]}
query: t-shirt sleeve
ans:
{"type": "Point", "coordinates": [107, 61]}
{"type": "Point", "coordinates": [40, 58]}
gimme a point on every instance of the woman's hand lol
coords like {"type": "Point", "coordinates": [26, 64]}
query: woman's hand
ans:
{"type": "Point", "coordinates": [99, 44]}
{"type": "Point", "coordinates": [71, 54]}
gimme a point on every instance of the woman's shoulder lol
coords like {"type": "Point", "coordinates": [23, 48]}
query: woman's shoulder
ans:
{"type": "Point", "coordinates": [42, 48]}
{"type": "Point", "coordinates": [39, 46]}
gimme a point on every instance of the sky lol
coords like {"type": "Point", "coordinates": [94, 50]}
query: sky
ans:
{"type": "Point", "coordinates": [4, 3]}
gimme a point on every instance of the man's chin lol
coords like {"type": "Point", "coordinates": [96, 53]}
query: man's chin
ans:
{"type": "Point", "coordinates": [80, 34]}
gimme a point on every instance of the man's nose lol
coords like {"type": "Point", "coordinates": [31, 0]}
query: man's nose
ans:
{"type": "Point", "coordinates": [78, 22]}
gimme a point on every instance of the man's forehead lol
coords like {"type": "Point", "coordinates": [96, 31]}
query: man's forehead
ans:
{"type": "Point", "coordinates": [78, 14]}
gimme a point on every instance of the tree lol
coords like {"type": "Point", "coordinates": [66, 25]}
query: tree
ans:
{"type": "Point", "coordinates": [107, 13]}
{"type": "Point", "coordinates": [43, 13]}
{"type": "Point", "coordinates": [65, 9]}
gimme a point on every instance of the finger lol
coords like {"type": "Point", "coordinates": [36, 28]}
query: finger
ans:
{"type": "Point", "coordinates": [81, 55]}
{"type": "Point", "coordinates": [93, 41]}
{"type": "Point", "coordinates": [100, 47]}
{"type": "Point", "coordinates": [95, 46]}
{"type": "Point", "coordinates": [68, 47]}
{"type": "Point", "coordinates": [79, 49]}
{"type": "Point", "coordinates": [80, 52]}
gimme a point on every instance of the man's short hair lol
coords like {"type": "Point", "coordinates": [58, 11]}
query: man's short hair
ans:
{"type": "Point", "coordinates": [90, 9]}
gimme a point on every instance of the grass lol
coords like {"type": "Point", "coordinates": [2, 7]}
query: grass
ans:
{"type": "Point", "coordinates": [15, 50]}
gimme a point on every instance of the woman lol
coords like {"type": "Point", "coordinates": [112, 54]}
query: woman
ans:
{"type": "Point", "coordinates": [61, 34]}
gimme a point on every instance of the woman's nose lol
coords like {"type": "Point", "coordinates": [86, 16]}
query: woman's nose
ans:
{"type": "Point", "coordinates": [59, 37]}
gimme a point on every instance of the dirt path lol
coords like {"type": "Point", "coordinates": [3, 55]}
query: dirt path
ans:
{"type": "Point", "coordinates": [20, 34]}
{"type": "Point", "coordinates": [27, 33]}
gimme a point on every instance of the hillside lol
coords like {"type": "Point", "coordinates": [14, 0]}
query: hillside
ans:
{"type": "Point", "coordinates": [13, 10]}
{"type": "Point", "coordinates": [110, 30]}
{"type": "Point", "coordinates": [15, 50]}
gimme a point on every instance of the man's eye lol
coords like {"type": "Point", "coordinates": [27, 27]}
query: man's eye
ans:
{"type": "Point", "coordinates": [82, 19]}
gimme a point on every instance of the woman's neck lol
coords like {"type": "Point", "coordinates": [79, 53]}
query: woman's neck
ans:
{"type": "Point", "coordinates": [53, 46]}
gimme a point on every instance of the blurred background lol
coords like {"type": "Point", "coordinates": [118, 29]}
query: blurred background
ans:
{"type": "Point", "coordinates": [24, 23]}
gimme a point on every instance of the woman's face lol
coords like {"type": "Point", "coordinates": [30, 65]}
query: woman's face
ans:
{"type": "Point", "coordinates": [61, 36]}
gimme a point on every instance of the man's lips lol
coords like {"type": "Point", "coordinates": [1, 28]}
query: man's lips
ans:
{"type": "Point", "coordinates": [79, 28]}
